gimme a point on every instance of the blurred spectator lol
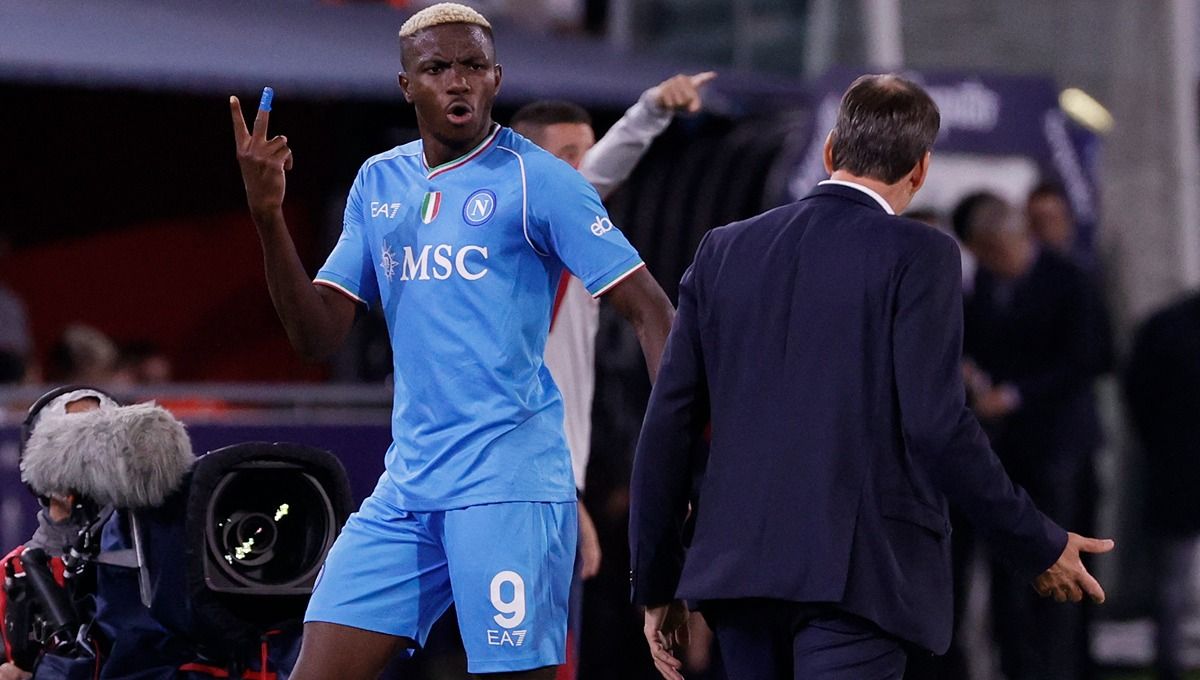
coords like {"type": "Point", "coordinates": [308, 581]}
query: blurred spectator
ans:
{"type": "Point", "coordinates": [141, 363]}
{"type": "Point", "coordinates": [953, 665]}
{"type": "Point", "coordinates": [83, 355]}
{"type": "Point", "coordinates": [1050, 219]}
{"type": "Point", "coordinates": [1038, 335]}
{"type": "Point", "coordinates": [16, 345]}
{"type": "Point", "coordinates": [1162, 385]}
{"type": "Point", "coordinates": [932, 218]}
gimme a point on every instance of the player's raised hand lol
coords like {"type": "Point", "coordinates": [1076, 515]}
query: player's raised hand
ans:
{"type": "Point", "coordinates": [1068, 579]}
{"type": "Point", "coordinates": [263, 161]}
{"type": "Point", "coordinates": [682, 92]}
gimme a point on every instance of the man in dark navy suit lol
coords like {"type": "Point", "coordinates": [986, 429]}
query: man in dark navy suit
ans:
{"type": "Point", "coordinates": [823, 340]}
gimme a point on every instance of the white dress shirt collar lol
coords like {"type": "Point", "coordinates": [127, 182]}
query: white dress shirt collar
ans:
{"type": "Point", "coordinates": [878, 199]}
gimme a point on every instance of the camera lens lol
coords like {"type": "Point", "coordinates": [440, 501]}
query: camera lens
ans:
{"type": "Point", "coordinates": [249, 538]}
{"type": "Point", "coordinates": [269, 526]}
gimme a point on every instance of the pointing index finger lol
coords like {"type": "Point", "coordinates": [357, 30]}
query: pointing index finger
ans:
{"type": "Point", "coordinates": [703, 78]}
{"type": "Point", "coordinates": [240, 133]}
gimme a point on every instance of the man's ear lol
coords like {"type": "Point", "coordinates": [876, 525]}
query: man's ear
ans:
{"type": "Point", "coordinates": [404, 83]}
{"type": "Point", "coordinates": [827, 155]}
{"type": "Point", "coordinates": [920, 172]}
{"type": "Point", "coordinates": [499, 75]}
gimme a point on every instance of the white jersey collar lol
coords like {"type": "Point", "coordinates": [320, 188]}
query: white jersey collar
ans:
{"type": "Point", "coordinates": [853, 185]}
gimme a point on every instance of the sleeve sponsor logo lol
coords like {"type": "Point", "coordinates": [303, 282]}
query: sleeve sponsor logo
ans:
{"type": "Point", "coordinates": [602, 226]}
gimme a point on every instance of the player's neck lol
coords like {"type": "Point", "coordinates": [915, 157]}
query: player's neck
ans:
{"type": "Point", "coordinates": [439, 152]}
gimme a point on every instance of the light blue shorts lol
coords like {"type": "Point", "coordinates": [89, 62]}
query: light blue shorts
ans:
{"type": "Point", "coordinates": [505, 566]}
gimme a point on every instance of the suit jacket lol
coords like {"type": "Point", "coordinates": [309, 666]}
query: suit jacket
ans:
{"type": "Point", "coordinates": [1162, 386]}
{"type": "Point", "coordinates": [1047, 334]}
{"type": "Point", "coordinates": [823, 339]}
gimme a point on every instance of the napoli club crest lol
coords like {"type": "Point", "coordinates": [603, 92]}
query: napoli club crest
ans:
{"type": "Point", "coordinates": [479, 208]}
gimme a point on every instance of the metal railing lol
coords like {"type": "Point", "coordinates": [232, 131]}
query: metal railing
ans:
{"type": "Point", "coordinates": [294, 402]}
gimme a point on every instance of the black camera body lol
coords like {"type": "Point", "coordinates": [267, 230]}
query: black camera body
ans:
{"type": "Point", "coordinates": [260, 519]}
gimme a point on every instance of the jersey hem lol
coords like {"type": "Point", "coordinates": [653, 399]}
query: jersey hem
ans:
{"type": "Point", "coordinates": [626, 273]}
{"type": "Point", "coordinates": [460, 502]}
{"type": "Point", "coordinates": [510, 665]}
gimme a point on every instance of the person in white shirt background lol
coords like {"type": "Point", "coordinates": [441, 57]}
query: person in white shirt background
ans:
{"type": "Point", "coordinates": [565, 130]}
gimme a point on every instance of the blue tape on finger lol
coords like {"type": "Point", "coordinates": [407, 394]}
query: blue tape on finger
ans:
{"type": "Point", "coordinates": [264, 104]}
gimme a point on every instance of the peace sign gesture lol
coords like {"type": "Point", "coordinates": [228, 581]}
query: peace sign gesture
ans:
{"type": "Point", "coordinates": [263, 161]}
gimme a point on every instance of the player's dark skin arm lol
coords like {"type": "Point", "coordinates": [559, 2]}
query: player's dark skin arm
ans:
{"type": "Point", "coordinates": [317, 319]}
{"type": "Point", "coordinates": [643, 303]}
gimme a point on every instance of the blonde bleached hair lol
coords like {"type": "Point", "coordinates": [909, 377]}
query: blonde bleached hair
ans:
{"type": "Point", "coordinates": [442, 13]}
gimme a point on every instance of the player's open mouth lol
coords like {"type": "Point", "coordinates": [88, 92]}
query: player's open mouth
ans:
{"type": "Point", "coordinates": [459, 114]}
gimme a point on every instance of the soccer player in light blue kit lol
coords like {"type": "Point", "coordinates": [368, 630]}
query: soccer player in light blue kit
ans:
{"type": "Point", "coordinates": [461, 236]}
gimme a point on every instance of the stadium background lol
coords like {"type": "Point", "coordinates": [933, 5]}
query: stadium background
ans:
{"type": "Point", "coordinates": [124, 209]}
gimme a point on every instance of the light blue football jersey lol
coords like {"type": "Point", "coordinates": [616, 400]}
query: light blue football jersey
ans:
{"type": "Point", "coordinates": [465, 259]}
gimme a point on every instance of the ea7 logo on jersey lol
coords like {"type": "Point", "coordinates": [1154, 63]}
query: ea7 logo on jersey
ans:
{"type": "Point", "coordinates": [388, 210]}
{"type": "Point", "coordinates": [602, 226]}
{"type": "Point", "coordinates": [500, 638]}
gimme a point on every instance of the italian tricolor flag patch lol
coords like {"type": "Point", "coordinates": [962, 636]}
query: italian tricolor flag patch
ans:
{"type": "Point", "coordinates": [430, 206]}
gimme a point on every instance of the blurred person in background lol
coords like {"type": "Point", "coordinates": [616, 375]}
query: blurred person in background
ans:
{"type": "Point", "coordinates": [565, 130]}
{"type": "Point", "coordinates": [1162, 389]}
{"type": "Point", "coordinates": [83, 354]}
{"type": "Point", "coordinates": [1050, 220]}
{"type": "Point", "coordinates": [16, 342]}
{"type": "Point", "coordinates": [953, 664]}
{"type": "Point", "coordinates": [966, 259]}
{"type": "Point", "coordinates": [141, 363]}
{"type": "Point", "coordinates": [1037, 334]}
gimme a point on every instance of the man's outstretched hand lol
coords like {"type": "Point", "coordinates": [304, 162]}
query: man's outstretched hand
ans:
{"type": "Point", "coordinates": [666, 630]}
{"type": "Point", "coordinates": [263, 161]}
{"type": "Point", "coordinates": [682, 92]}
{"type": "Point", "coordinates": [1068, 579]}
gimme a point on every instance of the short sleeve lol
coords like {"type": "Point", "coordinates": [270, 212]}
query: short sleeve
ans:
{"type": "Point", "coordinates": [567, 220]}
{"type": "Point", "coordinates": [350, 268]}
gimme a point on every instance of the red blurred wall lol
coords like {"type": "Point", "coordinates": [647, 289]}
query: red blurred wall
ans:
{"type": "Point", "coordinates": [195, 289]}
